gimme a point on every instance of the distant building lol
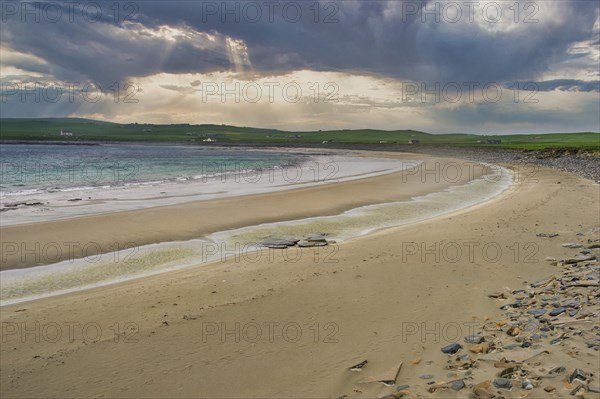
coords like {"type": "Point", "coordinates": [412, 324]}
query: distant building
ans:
{"type": "Point", "coordinates": [148, 129]}
{"type": "Point", "coordinates": [209, 140]}
{"type": "Point", "coordinates": [490, 141]}
{"type": "Point", "coordinates": [383, 142]}
{"type": "Point", "coordinates": [66, 133]}
{"type": "Point", "coordinates": [413, 141]}
{"type": "Point", "coordinates": [325, 142]}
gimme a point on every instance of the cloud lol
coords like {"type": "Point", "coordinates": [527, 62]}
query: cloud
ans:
{"type": "Point", "coordinates": [561, 84]}
{"type": "Point", "coordinates": [171, 49]}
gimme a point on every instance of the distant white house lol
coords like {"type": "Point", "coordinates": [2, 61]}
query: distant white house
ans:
{"type": "Point", "coordinates": [490, 141]}
{"type": "Point", "coordinates": [209, 140]}
{"type": "Point", "coordinates": [66, 133]}
{"type": "Point", "coordinates": [413, 141]}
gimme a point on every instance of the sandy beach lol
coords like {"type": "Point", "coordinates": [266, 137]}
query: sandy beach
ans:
{"type": "Point", "coordinates": [281, 327]}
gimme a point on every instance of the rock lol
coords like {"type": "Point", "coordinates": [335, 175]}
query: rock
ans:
{"type": "Point", "coordinates": [577, 374]}
{"type": "Point", "coordinates": [474, 339]}
{"type": "Point", "coordinates": [536, 312]}
{"type": "Point", "coordinates": [278, 243]}
{"type": "Point", "coordinates": [572, 245]}
{"type": "Point", "coordinates": [527, 385]}
{"type": "Point", "coordinates": [502, 383]}
{"type": "Point", "coordinates": [416, 360]}
{"type": "Point", "coordinates": [458, 385]}
{"type": "Point", "coordinates": [316, 238]}
{"type": "Point", "coordinates": [558, 311]}
{"type": "Point", "coordinates": [359, 366]}
{"type": "Point", "coordinates": [549, 389]}
{"type": "Point", "coordinates": [513, 305]}
{"type": "Point", "coordinates": [513, 331]}
{"type": "Point", "coordinates": [275, 246]}
{"type": "Point", "coordinates": [476, 348]}
{"type": "Point", "coordinates": [557, 370]}
{"type": "Point", "coordinates": [402, 387]}
{"type": "Point", "coordinates": [481, 390]}
{"type": "Point", "coordinates": [451, 349]}
{"type": "Point", "coordinates": [579, 258]}
{"type": "Point", "coordinates": [426, 377]}
{"type": "Point", "coordinates": [307, 244]}
{"type": "Point", "coordinates": [580, 389]}
{"type": "Point", "coordinates": [388, 378]}
{"type": "Point", "coordinates": [549, 235]}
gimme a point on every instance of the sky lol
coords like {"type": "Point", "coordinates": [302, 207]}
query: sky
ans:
{"type": "Point", "coordinates": [485, 67]}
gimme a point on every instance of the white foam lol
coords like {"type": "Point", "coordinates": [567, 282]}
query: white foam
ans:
{"type": "Point", "coordinates": [316, 170]}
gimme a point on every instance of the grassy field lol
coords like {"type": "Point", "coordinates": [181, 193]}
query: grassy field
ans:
{"type": "Point", "coordinates": [90, 130]}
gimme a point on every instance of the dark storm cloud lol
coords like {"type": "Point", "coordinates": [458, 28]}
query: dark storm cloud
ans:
{"type": "Point", "coordinates": [387, 38]}
{"type": "Point", "coordinates": [106, 52]}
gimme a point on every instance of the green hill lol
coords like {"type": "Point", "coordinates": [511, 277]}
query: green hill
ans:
{"type": "Point", "coordinates": [48, 129]}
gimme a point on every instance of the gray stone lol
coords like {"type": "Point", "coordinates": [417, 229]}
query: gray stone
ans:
{"type": "Point", "coordinates": [502, 383]}
{"type": "Point", "coordinates": [536, 312]}
{"type": "Point", "coordinates": [452, 348]}
{"type": "Point", "coordinates": [526, 384]}
{"type": "Point", "coordinates": [577, 374]}
{"type": "Point", "coordinates": [558, 311]}
{"type": "Point", "coordinates": [458, 385]}
{"type": "Point", "coordinates": [474, 339]}
{"type": "Point", "coordinates": [572, 245]}
{"type": "Point", "coordinates": [402, 387]}
{"type": "Point", "coordinates": [308, 244]}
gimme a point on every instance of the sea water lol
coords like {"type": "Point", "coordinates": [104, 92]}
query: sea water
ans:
{"type": "Point", "coordinates": [50, 182]}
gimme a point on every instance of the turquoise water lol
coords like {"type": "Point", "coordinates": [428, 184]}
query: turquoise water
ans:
{"type": "Point", "coordinates": [38, 168]}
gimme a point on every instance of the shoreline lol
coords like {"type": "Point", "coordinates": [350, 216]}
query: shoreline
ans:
{"type": "Point", "coordinates": [192, 220]}
{"type": "Point", "coordinates": [222, 242]}
{"type": "Point", "coordinates": [307, 169]}
{"type": "Point", "coordinates": [362, 303]}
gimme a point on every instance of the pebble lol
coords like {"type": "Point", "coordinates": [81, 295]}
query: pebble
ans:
{"type": "Point", "coordinates": [536, 312]}
{"type": "Point", "coordinates": [402, 387]}
{"type": "Point", "coordinates": [577, 374]}
{"type": "Point", "coordinates": [451, 349]}
{"type": "Point", "coordinates": [558, 311]}
{"type": "Point", "coordinates": [458, 385]}
{"type": "Point", "coordinates": [527, 385]}
{"type": "Point", "coordinates": [474, 339]}
{"type": "Point", "coordinates": [307, 244]}
{"type": "Point", "coordinates": [502, 383]}
{"type": "Point", "coordinates": [529, 331]}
